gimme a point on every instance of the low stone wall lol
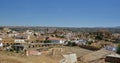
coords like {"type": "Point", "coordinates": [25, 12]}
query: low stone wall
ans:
{"type": "Point", "coordinates": [89, 47]}
{"type": "Point", "coordinates": [112, 59]}
{"type": "Point", "coordinates": [42, 45]}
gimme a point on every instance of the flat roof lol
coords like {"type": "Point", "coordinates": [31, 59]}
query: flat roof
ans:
{"type": "Point", "coordinates": [114, 55]}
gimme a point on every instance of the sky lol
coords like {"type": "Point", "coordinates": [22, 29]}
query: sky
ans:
{"type": "Point", "coordinates": [60, 13]}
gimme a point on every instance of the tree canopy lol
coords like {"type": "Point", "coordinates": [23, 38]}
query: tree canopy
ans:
{"type": "Point", "coordinates": [118, 49]}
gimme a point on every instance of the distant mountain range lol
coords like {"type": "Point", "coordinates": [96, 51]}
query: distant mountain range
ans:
{"type": "Point", "coordinates": [74, 29]}
{"type": "Point", "coordinates": [117, 27]}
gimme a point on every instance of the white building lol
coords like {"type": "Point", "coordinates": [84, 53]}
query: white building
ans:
{"type": "Point", "coordinates": [28, 37]}
{"type": "Point", "coordinates": [80, 42]}
{"type": "Point", "coordinates": [19, 41]}
{"type": "Point", "coordinates": [29, 32]}
{"type": "Point", "coordinates": [57, 41]}
{"type": "Point", "coordinates": [71, 58]}
{"type": "Point", "coordinates": [12, 35]}
{"type": "Point", "coordinates": [62, 41]}
{"type": "Point", "coordinates": [0, 39]}
{"type": "Point", "coordinates": [1, 44]}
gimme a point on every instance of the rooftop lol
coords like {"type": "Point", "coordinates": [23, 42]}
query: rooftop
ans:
{"type": "Point", "coordinates": [114, 55]}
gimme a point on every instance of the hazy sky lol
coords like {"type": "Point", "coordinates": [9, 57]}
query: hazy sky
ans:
{"type": "Point", "coordinates": [65, 13]}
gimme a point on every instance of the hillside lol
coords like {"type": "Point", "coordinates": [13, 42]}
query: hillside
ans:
{"type": "Point", "coordinates": [74, 29]}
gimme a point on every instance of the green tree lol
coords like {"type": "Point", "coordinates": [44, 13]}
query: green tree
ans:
{"type": "Point", "coordinates": [71, 43]}
{"type": "Point", "coordinates": [118, 49]}
{"type": "Point", "coordinates": [47, 41]}
{"type": "Point", "coordinates": [98, 38]}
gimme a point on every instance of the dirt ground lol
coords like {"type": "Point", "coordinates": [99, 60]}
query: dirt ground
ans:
{"type": "Point", "coordinates": [10, 57]}
{"type": "Point", "coordinates": [6, 57]}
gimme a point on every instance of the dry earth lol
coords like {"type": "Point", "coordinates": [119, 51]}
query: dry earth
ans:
{"type": "Point", "coordinates": [10, 57]}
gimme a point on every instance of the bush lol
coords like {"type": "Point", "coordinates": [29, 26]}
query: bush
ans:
{"type": "Point", "coordinates": [11, 49]}
{"type": "Point", "coordinates": [89, 42]}
{"type": "Point", "coordinates": [117, 41]}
